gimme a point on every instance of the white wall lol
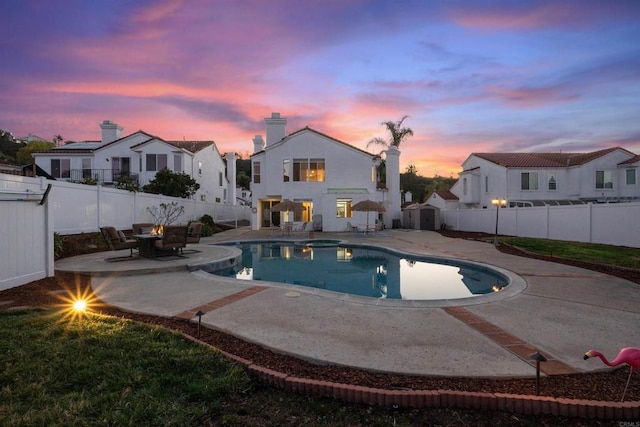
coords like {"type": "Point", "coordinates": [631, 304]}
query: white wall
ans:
{"type": "Point", "coordinates": [78, 208]}
{"type": "Point", "coordinates": [26, 242]}
{"type": "Point", "coordinates": [607, 223]}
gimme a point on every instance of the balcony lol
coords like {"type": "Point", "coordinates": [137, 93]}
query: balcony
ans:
{"type": "Point", "coordinates": [101, 176]}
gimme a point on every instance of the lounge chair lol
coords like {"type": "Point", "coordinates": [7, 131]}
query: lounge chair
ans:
{"type": "Point", "coordinates": [174, 239]}
{"type": "Point", "coordinates": [117, 241]}
{"type": "Point", "coordinates": [351, 228]}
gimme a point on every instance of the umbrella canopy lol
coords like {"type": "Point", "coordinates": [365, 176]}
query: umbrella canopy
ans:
{"type": "Point", "coordinates": [287, 206]}
{"type": "Point", "coordinates": [368, 206]}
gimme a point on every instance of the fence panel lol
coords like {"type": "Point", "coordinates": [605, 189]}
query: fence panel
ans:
{"type": "Point", "coordinates": [611, 223]}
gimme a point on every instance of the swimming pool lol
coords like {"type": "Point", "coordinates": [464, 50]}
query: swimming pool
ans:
{"type": "Point", "coordinates": [363, 271]}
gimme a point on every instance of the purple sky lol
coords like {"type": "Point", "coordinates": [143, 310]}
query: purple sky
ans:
{"type": "Point", "coordinates": [473, 76]}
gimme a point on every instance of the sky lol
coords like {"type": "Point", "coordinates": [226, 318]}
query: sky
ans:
{"type": "Point", "coordinates": [472, 76]}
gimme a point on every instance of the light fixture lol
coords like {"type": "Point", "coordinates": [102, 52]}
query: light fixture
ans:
{"type": "Point", "coordinates": [80, 306]}
{"type": "Point", "coordinates": [497, 202]}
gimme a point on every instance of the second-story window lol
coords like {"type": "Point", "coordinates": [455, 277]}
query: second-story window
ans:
{"type": "Point", "coordinates": [256, 172]}
{"type": "Point", "coordinates": [630, 176]}
{"type": "Point", "coordinates": [552, 185]}
{"type": "Point", "coordinates": [61, 168]}
{"type": "Point", "coordinates": [309, 170]}
{"type": "Point", "coordinates": [286, 170]}
{"type": "Point", "coordinates": [529, 181]}
{"type": "Point", "coordinates": [604, 179]}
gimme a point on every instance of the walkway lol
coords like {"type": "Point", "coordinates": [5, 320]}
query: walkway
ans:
{"type": "Point", "coordinates": [562, 312]}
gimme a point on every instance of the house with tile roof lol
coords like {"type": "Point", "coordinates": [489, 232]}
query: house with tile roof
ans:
{"type": "Point", "coordinates": [538, 179]}
{"type": "Point", "coordinates": [443, 200]}
{"type": "Point", "coordinates": [140, 156]}
{"type": "Point", "coordinates": [326, 175]}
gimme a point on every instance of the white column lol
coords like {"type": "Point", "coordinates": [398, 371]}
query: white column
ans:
{"type": "Point", "coordinates": [393, 185]}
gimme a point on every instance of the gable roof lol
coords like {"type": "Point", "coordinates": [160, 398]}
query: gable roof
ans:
{"type": "Point", "coordinates": [324, 135]}
{"type": "Point", "coordinates": [541, 160]}
{"type": "Point", "coordinates": [634, 159]}
{"type": "Point", "coordinates": [446, 194]}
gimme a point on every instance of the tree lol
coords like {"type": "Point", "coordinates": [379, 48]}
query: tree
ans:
{"type": "Point", "coordinates": [57, 140]}
{"type": "Point", "coordinates": [172, 184]}
{"type": "Point", "coordinates": [24, 155]}
{"type": "Point", "coordinates": [398, 134]}
{"type": "Point", "coordinates": [9, 146]}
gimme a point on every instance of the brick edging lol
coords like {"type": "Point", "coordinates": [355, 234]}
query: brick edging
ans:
{"type": "Point", "coordinates": [513, 403]}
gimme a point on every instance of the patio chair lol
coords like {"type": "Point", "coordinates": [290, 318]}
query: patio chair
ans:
{"type": "Point", "coordinates": [142, 228]}
{"type": "Point", "coordinates": [174, 239]}
{"type": "Point", "coordinates": [117, 241]}
{"type": "Point", "coordinates": [351, 228]}
{"type": "Point", "coordinates": [194, 232]}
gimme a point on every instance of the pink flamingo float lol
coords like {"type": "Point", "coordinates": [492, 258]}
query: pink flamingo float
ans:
{"type": "Point", "coordinates": [628, 355]}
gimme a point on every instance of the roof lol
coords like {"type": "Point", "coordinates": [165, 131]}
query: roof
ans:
{"type": "Point", "coordinates": [634, 159]}
{"type": "Point", "coordinates": [192, 146]}
{"type": "Point", "coordinates": [307, 128]}
{"type": "Point", "coordinates": [446, 194]}
{"type": "Point", "coordinates": [541, 160]}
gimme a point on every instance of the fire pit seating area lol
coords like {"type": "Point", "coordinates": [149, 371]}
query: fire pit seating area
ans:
{"type": "Point", "coordinates": [116, 241]}
{"type": "Point", "coordinates": [174, 239]}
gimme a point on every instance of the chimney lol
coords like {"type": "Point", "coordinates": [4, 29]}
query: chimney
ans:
{"type": "Point", "coordinates": [276, 128]}
{"type": "Point", "coordinates": [110, 131]}
{"type": "Point", "coordinates": [231, 177]}
{"type": "Point", "coordinates": [258, 143]}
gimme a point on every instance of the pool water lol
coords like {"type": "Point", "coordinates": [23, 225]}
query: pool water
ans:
{"type": "Point", "coordinates": [363, 271]}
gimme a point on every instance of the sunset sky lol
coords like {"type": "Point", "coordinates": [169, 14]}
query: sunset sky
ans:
{"type": "Point", "coordinates": [473, 76]}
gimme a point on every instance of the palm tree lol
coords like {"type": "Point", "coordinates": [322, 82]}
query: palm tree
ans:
{"type": "Point", "coordinates": [398, 134]}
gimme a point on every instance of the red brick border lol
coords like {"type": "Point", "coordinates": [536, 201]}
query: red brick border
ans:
{"type": "Point", "coordinates": [513, 403]}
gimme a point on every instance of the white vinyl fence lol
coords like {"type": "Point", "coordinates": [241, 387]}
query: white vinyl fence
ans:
{"type": "Point", "coordinates": [26, 234]}
{"type": "Point", "coordinates": [609, 223]}
{"type": "Point", "coordinates": [26, 238]}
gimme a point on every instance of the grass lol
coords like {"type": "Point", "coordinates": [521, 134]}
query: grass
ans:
{"type": "Point", "coordinates": [105, 370]}
{"type": "Point", "coordinates": [589, 252]}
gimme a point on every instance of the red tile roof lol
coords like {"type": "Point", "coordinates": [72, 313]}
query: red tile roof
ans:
{"type": "Point", "coordinates": [533, 160]}
{"type": "Point", "coordinates": [634, 159]}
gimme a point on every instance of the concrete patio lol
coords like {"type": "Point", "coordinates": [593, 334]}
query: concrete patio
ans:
{"type": "Point", "coordinates": [561, 311]}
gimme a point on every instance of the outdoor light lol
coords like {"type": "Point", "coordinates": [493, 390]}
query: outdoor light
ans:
{"type": "Point", "coordinates": [80, 306]}
{"type": "Point", "coordinates": [200, 313]}
{"type": "Point", "coordinates": [538, 358]}
{"type": "Point", "coordinates": [497, 203]}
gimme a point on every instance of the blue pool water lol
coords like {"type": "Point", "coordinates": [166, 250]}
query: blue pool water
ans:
{"type": "Point", "coordinates": [363, 271]}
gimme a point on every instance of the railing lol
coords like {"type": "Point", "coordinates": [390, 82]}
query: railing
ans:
{"type": "Point", "coordinates": [101, 176]}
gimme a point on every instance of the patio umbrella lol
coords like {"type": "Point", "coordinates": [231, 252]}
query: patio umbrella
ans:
{"type": "Point", "coordinates": [287, 206]}
{"type": "Point", "coordinates": [368, 206]}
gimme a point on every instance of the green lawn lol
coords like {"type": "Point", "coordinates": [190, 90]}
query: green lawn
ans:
{"type": "Point", "coordinates": [589, 252]}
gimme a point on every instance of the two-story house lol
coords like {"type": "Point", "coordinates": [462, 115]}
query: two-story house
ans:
{"type": "Point", "coordinates": [324, 174]}
{"type": "Point", "coordinates": [139, 156]}
{"type": "Point", "coordinates": [538, 179]}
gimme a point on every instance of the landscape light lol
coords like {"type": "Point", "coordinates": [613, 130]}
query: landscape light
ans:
{"type": "Point", "coordinates": [80, 305]}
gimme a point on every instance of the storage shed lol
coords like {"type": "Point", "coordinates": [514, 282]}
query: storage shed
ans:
{"type": "Point", "coordinates": [421, 217]}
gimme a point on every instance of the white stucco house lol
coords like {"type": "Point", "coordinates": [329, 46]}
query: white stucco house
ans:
{"type": "Point", "coordinates": [326, 175]}
{"type": "Point", "coordinates": [141, 155]}
{"type": "Point", "coordinates": [443, 200]}
{"type": "Point", "coordinates": [538, 179]}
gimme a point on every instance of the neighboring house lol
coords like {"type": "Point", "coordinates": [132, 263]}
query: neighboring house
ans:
{"type": "Point", "coordinates": [443, 200]}
{"type": "Point", "coordinates": [538, 179]}
{"type": "Point", "coordinates": [243, 196]}
{"type": "Point", "coordinates": [139, 156]}
{"type": "Point", "coordinates": [326, 175]}
{"type": "Point", "coordinates": [10, 168]}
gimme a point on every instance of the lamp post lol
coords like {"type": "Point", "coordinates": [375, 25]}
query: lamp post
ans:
{"type": "Point", "coordinates": [498, 203]}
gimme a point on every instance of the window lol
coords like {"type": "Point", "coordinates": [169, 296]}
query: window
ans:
{"type": "Point", "coordinates": [464, 186]}
{"type": "Point", "coordinates": [156, 162]}
{"type": "Point", "coordinates": [120, 165]}
{"type": "Point", "coordinates": [86, 168]}
{"type": "Point", "coordinates": [486, 184]}
{"type": "Point", "coordinates": [312, 170]}
{"type": "Point", "coordinates": [604, 179]}
{"type": "Point", "coordinates": [177, 163]}
{"type": "Point", "coordinates": [199, 168]}
{"type": "Point", "coordinates": [316, 170]}
{"type": "Point", "coordinates": [256, 172]}
{"type": "Point", "coordinates": [61, 168]}
{"type": "Point", "coordinates": [529, 181]}
{"type": "Point", "coordinates": [220, 179]}
{"type": "Point", "coordinates": [630, 175]}
{"type": "Point", "coordinates": [552, 182]}
{"type": "Point", "coordinates": [343, 208]}
{"type": "Point", "coordinates": [286, 170]}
